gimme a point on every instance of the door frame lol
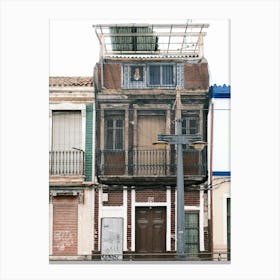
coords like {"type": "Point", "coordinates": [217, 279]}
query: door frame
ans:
{"type": "Point", "coordinates": [153, 205]}
{"type": "Point", "coordinates": [167, 224]}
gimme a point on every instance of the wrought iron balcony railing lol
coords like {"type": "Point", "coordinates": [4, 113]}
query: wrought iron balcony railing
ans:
{"type": "Point", "coordinates": [149, 162]}
{"type": "Point", "coordinates": [66, 163]}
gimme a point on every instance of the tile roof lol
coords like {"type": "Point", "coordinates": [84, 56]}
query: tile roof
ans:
{"type": "Point", "coordinates": [70, 81]}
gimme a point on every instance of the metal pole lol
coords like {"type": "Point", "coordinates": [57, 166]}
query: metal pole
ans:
{"type": "Point", "coordinates": [180, 186]}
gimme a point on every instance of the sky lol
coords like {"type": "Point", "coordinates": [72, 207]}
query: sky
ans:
{"type": "Point", "coordinates": [74, 47]}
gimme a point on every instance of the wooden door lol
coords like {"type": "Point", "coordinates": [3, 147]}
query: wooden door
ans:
{"type": "Point", "coordinates": [150, 231]}
{"type": "Point", "coordinates": [149, 160]}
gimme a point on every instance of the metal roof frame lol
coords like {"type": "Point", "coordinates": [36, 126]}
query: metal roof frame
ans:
{"type": "Point", "coordinates": [171, 40]}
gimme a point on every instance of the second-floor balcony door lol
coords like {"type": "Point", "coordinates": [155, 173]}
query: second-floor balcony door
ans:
{"type": "Point", "coordinates": [190, 127]}
{"type": "Point", "coordinates": [149, 160]}
{"type": "Point", "coordinates": [114, 155]}
{"type": "Point", "coordinates": [66, 156]}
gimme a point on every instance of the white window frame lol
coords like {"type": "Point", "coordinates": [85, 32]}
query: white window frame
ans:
{"type": "Point", "coordinates": [68, 107]}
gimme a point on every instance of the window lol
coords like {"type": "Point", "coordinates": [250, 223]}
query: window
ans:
{"type": "Point", "coordinates": [66, 155]}
{"type": "Point", "coordinates": [114, 132]}
{"type": "Point", "coordinates": [192, 233]}
{"type": "Point", "coordinates": [161, 75]}
{"type": "Point", "coordinates": [190, 124]}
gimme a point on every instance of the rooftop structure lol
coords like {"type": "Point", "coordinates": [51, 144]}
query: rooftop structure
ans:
{"type": "Point", "coordinates": [151, 41]}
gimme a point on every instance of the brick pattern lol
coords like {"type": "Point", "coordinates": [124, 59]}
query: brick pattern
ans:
{"type": "Point", "coordinates": [192, 198]}
{"type": "Point", "coordinates": [65, 225]}
{"type": "Point", "coordinates": [150, 194]}
{"type": "Point", "coordinates": [129, 220]}
{"type": "Point", "coordinates": [196, 76]}
{"type": "Point", "coordinates": [112, 75]}
{"type": "Point", "coordinates": [96, 216]}
{"type": "Point", "coordinates": [88, 150]}
{"type": "Point", "coordinates": [115, 198]}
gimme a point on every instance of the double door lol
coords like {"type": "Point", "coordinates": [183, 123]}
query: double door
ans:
{"type": "Point", "coordinates": [150, 231]}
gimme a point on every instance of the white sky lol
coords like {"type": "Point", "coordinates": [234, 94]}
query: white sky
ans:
{"type": "Point", "coordinates": [74, 47]}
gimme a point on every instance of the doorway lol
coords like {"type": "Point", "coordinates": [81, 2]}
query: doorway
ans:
{"type": "Point", "coordinates": [150, 231]}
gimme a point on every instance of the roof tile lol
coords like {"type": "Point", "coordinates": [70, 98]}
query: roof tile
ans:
{"type": "Point", "coordinates": [62, 81]}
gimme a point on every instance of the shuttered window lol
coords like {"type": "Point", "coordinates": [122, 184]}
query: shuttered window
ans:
{"type": "Point", "coordinates": [66, 156]}
{"type": "Point", "coordinates": [67, 130]}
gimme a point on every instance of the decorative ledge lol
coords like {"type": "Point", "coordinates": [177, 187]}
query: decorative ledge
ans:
{"type": "Point", "coordinates": [220, 91]}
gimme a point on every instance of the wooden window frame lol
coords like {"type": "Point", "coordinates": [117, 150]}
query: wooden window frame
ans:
{"type": "Point", "coordinates": [115, 117]}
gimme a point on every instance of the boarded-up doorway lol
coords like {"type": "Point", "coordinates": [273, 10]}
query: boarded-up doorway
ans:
{"type": "Point", "coordinates": [150, 231]}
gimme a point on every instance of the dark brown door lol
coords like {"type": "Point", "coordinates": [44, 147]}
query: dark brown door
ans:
{"type": "Point", "coordinates": [150, 230]}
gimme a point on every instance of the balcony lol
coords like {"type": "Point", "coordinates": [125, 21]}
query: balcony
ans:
{"type": "Point", "coordinates": [149, 165]}
{"type": "Point", "coordinates": [66, 163]}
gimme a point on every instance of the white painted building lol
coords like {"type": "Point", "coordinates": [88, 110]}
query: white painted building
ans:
{"type": "Point", "coordinates": [219, 170]}
{"type": "Point", "coordinates": [72, 179]}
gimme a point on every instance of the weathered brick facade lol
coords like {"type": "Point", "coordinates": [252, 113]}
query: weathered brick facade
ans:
{"type": "Point", "coordinates": [115, 198]}
{"type": "Point", "coordinates": [196, 76]}
{"type": "Point", "coordinates": [151, 195]}
{"type": "Point", "coordinates": [192, 198]}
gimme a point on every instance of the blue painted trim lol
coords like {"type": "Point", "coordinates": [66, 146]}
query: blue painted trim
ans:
{"type": "Point", "coordinates": [221, 173]}
{"type": "Point", "coordinates": [219, 91]}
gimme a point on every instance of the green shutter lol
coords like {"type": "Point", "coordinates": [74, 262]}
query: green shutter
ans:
{"type": "Point", "coordinates": [88, 151]}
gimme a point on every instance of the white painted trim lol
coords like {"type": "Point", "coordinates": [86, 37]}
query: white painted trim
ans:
{"type": "Point", "coordinates": [192, 208]}
{"type": "Point", "coordinates": [225, 196]}
{"type": "Point", "coordinates": [201, 230]}
{"type": "Point", "coordinates": [209, 193]}
{"type": "Point", "coordinates": [102, 214]}
{"type": "Point", "coordinates": [112, 208]}
{"type": "Point", "coordinates": [125, 220]}
{"type": "Point", "coordinates": [168, 219]}
{"type": "Point", "coordinates": [201, 222]}
{"type": "Point", "coordinates": [67, 106]}
{"type": "Point", "coordinates": [133, 220]}
{"type": "Point", "coordinates": [150, 204]}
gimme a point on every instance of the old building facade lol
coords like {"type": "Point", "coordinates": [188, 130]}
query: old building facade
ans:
{"type": "Point", "coordinates": [71, 167]}
{"type": "Point", "coordinates": [219, 171]}
{"type": "Point", "coordinates": [141, 68]}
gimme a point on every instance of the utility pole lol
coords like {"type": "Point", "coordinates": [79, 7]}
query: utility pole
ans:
{"type": "Point", "coordinates": [179, 139]}
{"type": "Point", "coordinates": [180, 184]}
